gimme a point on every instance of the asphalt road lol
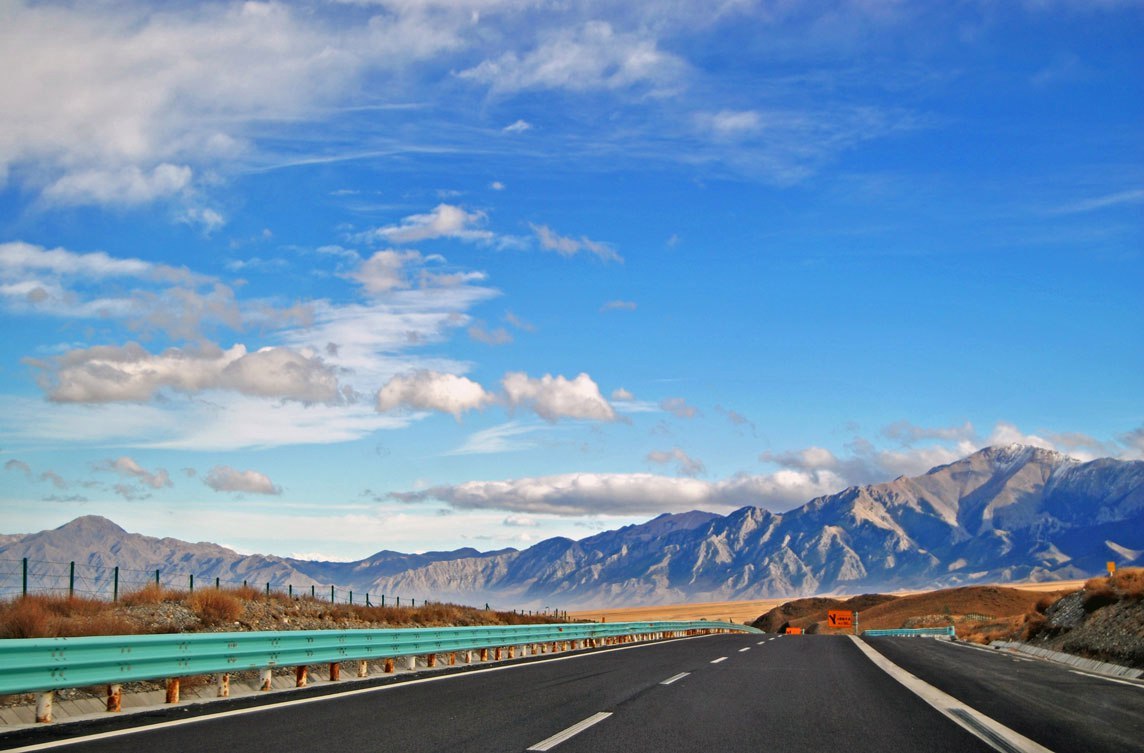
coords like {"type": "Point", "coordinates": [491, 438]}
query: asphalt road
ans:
{"type": "Point", "coordinates": [723, 693]}
{"type": "Point", "coordinates": [1062, 709]}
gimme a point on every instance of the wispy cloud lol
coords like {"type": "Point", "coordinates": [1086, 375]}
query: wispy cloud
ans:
{"type": "Point", "coordinates": [1121, 198]}
{"type": "Point", "coordinates": [564, 245]}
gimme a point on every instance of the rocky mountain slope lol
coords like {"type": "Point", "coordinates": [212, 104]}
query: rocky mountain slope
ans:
{"type": "Point", "coordinates": [1003, 513]}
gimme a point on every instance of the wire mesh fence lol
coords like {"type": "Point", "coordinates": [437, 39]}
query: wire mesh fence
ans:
{"type": "Point", "coordinates": [25, 577]}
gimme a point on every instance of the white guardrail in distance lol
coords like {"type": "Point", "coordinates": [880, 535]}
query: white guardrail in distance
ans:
{"type": "Point", "coordinates": [47, 664]}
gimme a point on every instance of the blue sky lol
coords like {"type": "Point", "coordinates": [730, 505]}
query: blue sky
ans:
{"type": "Point", "coordinates": [329, 278]}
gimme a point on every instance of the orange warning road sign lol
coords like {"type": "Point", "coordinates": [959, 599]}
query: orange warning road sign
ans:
{"type": "Point", "coordinates": [794, 631]}
{"type": "Point", "coordinates": [840, 618]}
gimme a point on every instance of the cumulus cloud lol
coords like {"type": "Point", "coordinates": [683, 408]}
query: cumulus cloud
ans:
{"type": "Point", "coordinates": [518, 126]}
{"type": "Point", "coordinates": [623, 395]}
{"type": "Point", "coordinates": [591, 56]}
{"type": "Point", "coordinates": [431, 390]}
{"type": "Point", "coordinates": [128, 468]}
{"type": "Point", "coordinates": [727, 124]}
{"type": "Point", "coordinates": [678, 407]}
{"type": "Point", "coordinates": [556, 397]}
{"type": "Point", "coordinates": [685, 464]}
{"type": "Point", "coordinates": [624, 493]}
{"type": "Point", "coordinates": [125, 186]}
{"type": "Point", "coordinates": [223, 478]}
{"type": "Point", "coordinates": [130, 373]}
{"type": "Point", "coordinates": [443, 221]}
{"type": "Point", "coordinates": [618, 306]}
{"type": "Point", "coordinates": [385, 271]}
{"type": "Point", "coordinates": [550, 240]}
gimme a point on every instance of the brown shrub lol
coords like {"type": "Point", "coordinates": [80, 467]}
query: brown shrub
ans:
{"type": "Point", "coordinates": [1130, 582]}
{"type": "Point", "coordinates": [215, 607]}
{"type": "Point", "coordinates": [27, 617]}
{"type": "Point", "coordinates": [1047, 601]}
{"type": "Point", "coordinates": [150, 594]}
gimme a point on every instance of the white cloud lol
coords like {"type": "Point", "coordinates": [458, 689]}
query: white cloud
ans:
{"type": "Point", "coordinates": [520, 521]}
{"type": "Point", "coordinates": [590, 56]}
{"type": "Point", "coordinates": [1006, 433]}
{"type": "Point", "coordinates": [621, 394]}
{"type": "Point", "coordinates": [128, 468]}
{"type": "Point", "coordinates": [496, 185]}
{"type": "Point", "coordinates": [430, 390]}
{"type": "Point", "coordinates": [618, 306]}
{"type": "Point", "coordinates": [505, 437]}
{"type": "Point", "coordinates": [553, 398]}
{"type": "Point", "coordinates": [385, 271]}
{"type": "Point", "coordinates": [519, 126]}
{"type": "Point", "coordinates": [685, 464]}
{"type": "Point", "coordinates": [223, 478]}
{"type": "Point", "coordinates": [727, 124]}
{"type": "Point", "coordinates": [678, 407]}
{"type": "Point", "coordinates": [126, 186]}
{"type": "Point", "coordinates": [443, 221]}
{"type": "Point", "coordinates": [19, 260]}
{"type": "Point", "coordinates": [566, 246]}
{"type": "Point", "coordinates": [626, 493]}
{"type": "Point", "coordinates": [105, 374]}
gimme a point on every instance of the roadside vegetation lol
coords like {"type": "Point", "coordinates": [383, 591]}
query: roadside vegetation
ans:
{"type": "Point", "coordinates": [160, 610]}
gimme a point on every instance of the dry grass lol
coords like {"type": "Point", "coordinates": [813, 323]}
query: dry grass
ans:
{"type": "Point", "coordinates": [150, 594]}
{"type": "Point", "coordinates": [60, 617]}
{"type": "Point", "coordinates": [215, 607]}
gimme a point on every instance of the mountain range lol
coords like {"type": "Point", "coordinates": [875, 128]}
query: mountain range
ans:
{"type": "Point", "coordinates": [1001, 514]}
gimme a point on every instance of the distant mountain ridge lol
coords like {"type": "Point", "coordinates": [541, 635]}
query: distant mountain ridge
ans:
{"type": "Point", "coordinates": [1003, 513]}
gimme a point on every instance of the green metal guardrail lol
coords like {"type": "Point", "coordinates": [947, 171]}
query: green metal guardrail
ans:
{"type": "Point", "coordinates": [44, 664]}
{"type": "Point", "coordinates": [912, 632]}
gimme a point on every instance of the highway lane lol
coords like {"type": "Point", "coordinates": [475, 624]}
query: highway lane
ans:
{"type": "Point", "coordinates": [1061, 709]}
{"type": "Point", "coordinates": [726, 693]}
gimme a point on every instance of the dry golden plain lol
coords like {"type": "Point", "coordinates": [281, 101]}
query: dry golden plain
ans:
{"type": "Point", "coordinates": [749, 611]}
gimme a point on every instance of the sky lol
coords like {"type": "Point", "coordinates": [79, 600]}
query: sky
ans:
{"type": "Point", "coordinates": [324, 278]}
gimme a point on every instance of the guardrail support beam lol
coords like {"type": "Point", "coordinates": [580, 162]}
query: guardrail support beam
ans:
{"type": "Point", "coordinates": [173, 689]}
{"type": "Point", "coordinates": [44, 707]}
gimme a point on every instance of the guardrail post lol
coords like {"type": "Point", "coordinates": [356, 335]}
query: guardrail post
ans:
{"type": "Point", "coordinates": [512, 652]}
{"type": "Point", "coordinates": [452, 659]}
{"type": "Point", "coordinates": [431, 660]}
{"type": "Point", "coordinates": [44, 707]}
{"type": "Point", "coordinates": [412, 663]}
{"type": "Point", "coordinates": [114, 698]}
{"type": "Point", "coordinates": [267, 679]}
{"type": "Point", "coordinates": [300, 676]}
{"type": "Point", "coordinates": [335, 671]}
{"type": "Point", "coordinates": [497, 654]}
{"type": "Point", "coordinates": [389, 666]}
{"type": "Point", "coordinates": [468, 657]}
{"type": "Point", "coordinates": [484, 654]}
{"type": "Point", "coordinates": [223, 685]}
{"type": "Point", "coordinates": [363, 668]}
{"type": "Point", "coordinates": [172, 690]}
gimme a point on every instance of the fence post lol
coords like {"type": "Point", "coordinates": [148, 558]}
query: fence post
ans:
{"type": "Point", "coordinates": [367, 599]}
{"type": "Point", "coordinates": [216, 583]}
{"type": "Point", "coordinates": [290, 590]}
{"type": "Point", "coordinates": [331, 594]}
{"type": "Point", "coordinates": [413, 602]}
{"type": "Point", "coordinates": [351, 597]}
{"type": "Point", "coordinates": [115, 585]}
{"type": "Point", "coordinates": [157, 585]}
{"type": "Point", "coordinates": [398, 601]}
{"type": "Point", "coordinates": [71, 579]}
{"type": "Point", "coordinates": [25, 589]}
{"type": "Point", "coordinates": [192, 582]}
{"type": "Point", "coordinates": [268, 589]}
{"type": "Point", "coordinates": [313, 593]}
{"type": "Point", "coordinates": [383, 600]}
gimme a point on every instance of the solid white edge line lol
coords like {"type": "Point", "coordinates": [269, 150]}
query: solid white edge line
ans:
{"type": "Point", "coordinates": [679, 676]}
{"type": "Point", "coordinates": [947, 704]}
{"type": "Point", "coordinates": [301, 701]}
{"type": "Point", "coordinates": [721, 658]}
{"type": "Point", "coordinates": [575, 729]}
{"type": "Point", "coordinates": [1117, 680]}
